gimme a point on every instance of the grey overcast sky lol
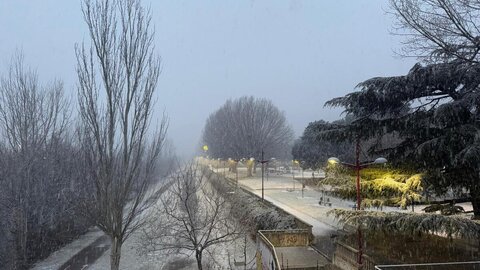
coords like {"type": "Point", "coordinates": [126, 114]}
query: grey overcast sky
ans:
{"type": "Point", "coordinates": [299, 54]}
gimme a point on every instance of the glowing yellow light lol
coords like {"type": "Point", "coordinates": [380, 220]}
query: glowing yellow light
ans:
{"type": "Point", "coordinates": [333, 160]}
{"type": "Point", "coordinates": [205, 148]}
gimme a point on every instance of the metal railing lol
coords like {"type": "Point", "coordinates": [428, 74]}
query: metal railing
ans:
{"type": "Point", "coordinates": [472, 265]}
{"type": "Point", "coordinates": [350, 255]}
{"type": "Point", "coordinates": [270, 256]}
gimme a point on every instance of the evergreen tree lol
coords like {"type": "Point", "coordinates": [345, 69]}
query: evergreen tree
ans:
{"type": "Point", "coordinates": [434, 109]}
{"type": "Point", "coordinates": [313, 151]}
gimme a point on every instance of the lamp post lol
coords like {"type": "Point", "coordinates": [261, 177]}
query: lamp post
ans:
{"type": "Point", "coordinates": [358, 167]}
{"type": "Point", "coordinates": [205, 150]}
{"type": "Point", "coordinates": [224, 168]}
{"type": "Point", "coordinates": [236, 170]}
{"type": "Point", "coordinates": [263, 161]}
{"type": "Point", "coordinates": [293, 173]}
{"type": "Point", "coordinates": [303, 165]}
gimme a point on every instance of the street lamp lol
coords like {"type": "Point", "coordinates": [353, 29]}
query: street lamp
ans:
{"type": "Point", "coordinates": [224, 168]}
{"type": "Point", "coordinates": [205, 150]}
{"type": "Point", "coordinates": [236, 172]}
{"type": "Point", "coordinates": [294, 164]}
{"type": "Point", "coordinates": [230, 168]}
{"type": "Point", "coordinates": [358, 167]}
{"type": "Point", "coordinates": [263, 161]}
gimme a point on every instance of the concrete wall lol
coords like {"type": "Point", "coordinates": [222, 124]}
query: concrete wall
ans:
{"type": "Point", "coordinates": [266, 256]}
{"type": "Point", "coordinates": [288, 238]}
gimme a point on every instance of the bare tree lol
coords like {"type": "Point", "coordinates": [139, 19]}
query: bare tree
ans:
{"type": "Point", "coordinates": [439, 30]}
{"type": "Point", "coordinates": [117, 79]}
{"type": "Point", "coordinates": [33, 122]}
{"type": "Point", "coordinates": [193, 218]}
{"type": "Point", "coordinates": [242, 128]}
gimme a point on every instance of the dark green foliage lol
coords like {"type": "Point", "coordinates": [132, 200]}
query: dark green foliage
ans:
{"type": "Point", "coordinates": [313, 151]}
{"type": "Point", "coordinates": [445, 209]}
{"type": "Point", "coordinates": [411, 223]}
{"type": "Point", "coordinates": [434, 109]}
{"type": "Point", "coordinates": [379, 187]}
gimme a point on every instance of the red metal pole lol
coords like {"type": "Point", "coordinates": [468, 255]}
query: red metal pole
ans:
{"type": "Point", "coordinates": [359, 200]}
{"type": "Point", "coordinates": [357, 167]}
{"type": "Point", "coordinates": [360, 247]}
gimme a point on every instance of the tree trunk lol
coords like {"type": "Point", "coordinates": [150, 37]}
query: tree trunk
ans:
{"type": "Point", "coordinates": [249, 168]}
{"type": "Point", "coordinates": [476, 205]}
{"type": "Point", "coordinates": [116, 253]}
{"type": "Point", "coordinates": [25, 238]}
{"type": "Point", "coordinates": [198, 256]}
{"type": "Point", "coordinates": [235, 167]}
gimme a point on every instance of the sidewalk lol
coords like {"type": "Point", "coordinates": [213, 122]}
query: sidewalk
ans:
{"type": "Point", "coordinates": [59, 258]}
{"type": "Point", "coordinates": [286, 193]}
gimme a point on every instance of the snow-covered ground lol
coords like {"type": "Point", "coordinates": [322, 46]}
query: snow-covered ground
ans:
{"type": "Point", "coordinates": [229, 255]}
{"type": "Point", "coordinates": [61, 256]}
{"type": "Point", "coordinates": [287, 194]}
{"type": "Point", "coordinates": [282, 191]}
{"type": "Point", "coordinates": [130, 258]}
{"type": "Point", "coordinates": [223, 256]}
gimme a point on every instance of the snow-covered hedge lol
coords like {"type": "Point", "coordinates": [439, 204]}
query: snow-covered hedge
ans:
{"type": "Point", "coordinates": [251, 211]}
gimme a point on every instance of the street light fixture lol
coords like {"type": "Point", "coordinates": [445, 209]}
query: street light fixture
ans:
{"type": "Point", "coordinates": [263, 161]}
{"type": "Point", "coordinates": [235, 161]}
{"type": "Point", "coordinates": [358, 167]}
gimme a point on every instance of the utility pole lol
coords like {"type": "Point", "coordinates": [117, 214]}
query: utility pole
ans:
{"type": "Point", "coordinates": [358, 168]}
{"type": "Point", "coordinates": [263, 161]}
{"type": "Point", "coordinates": [236, 171]}
{"type": "Point", "coordinates": [263, 169]}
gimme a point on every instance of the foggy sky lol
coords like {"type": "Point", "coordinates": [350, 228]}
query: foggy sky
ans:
{"type": "Point", "coordinates": [299, 54]}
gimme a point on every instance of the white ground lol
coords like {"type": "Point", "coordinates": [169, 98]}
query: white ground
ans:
{"type": "Point", "coordinates": [222, 256]}
{"type": "Point", "coordinates": [282, 191]}
{"type": "Point", "coordinates": [286, 193]}
{"type": "Point", "coordinates": [59, 257]}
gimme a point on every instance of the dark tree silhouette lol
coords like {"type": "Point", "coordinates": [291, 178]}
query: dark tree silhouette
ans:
{"type": "Point", "coordinates": [243, 127]}
{"type": "Point", "coordinates": [439, 30]}
{"type": "Point", "coordinates": [434, 109]}
{"type": "Point", "coordinates": [313, 151]}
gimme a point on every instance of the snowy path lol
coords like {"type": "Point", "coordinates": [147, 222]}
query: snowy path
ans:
{"type": "Point", "coordinates": [319, 228]}
{"type": "Point", "coordinates": [60, 257]}
{"type": "Point", "coordinates": [223, 256]}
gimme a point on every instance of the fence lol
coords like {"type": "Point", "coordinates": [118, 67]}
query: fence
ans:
{"type": "Point", "coordinates": [287, 249]}
{"type": "Point", "coordinates": [346, 257]}
{"type": "Point", "coordinates": [474, 265]}
{"type": "Point", "coordinates": [266, 254]}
